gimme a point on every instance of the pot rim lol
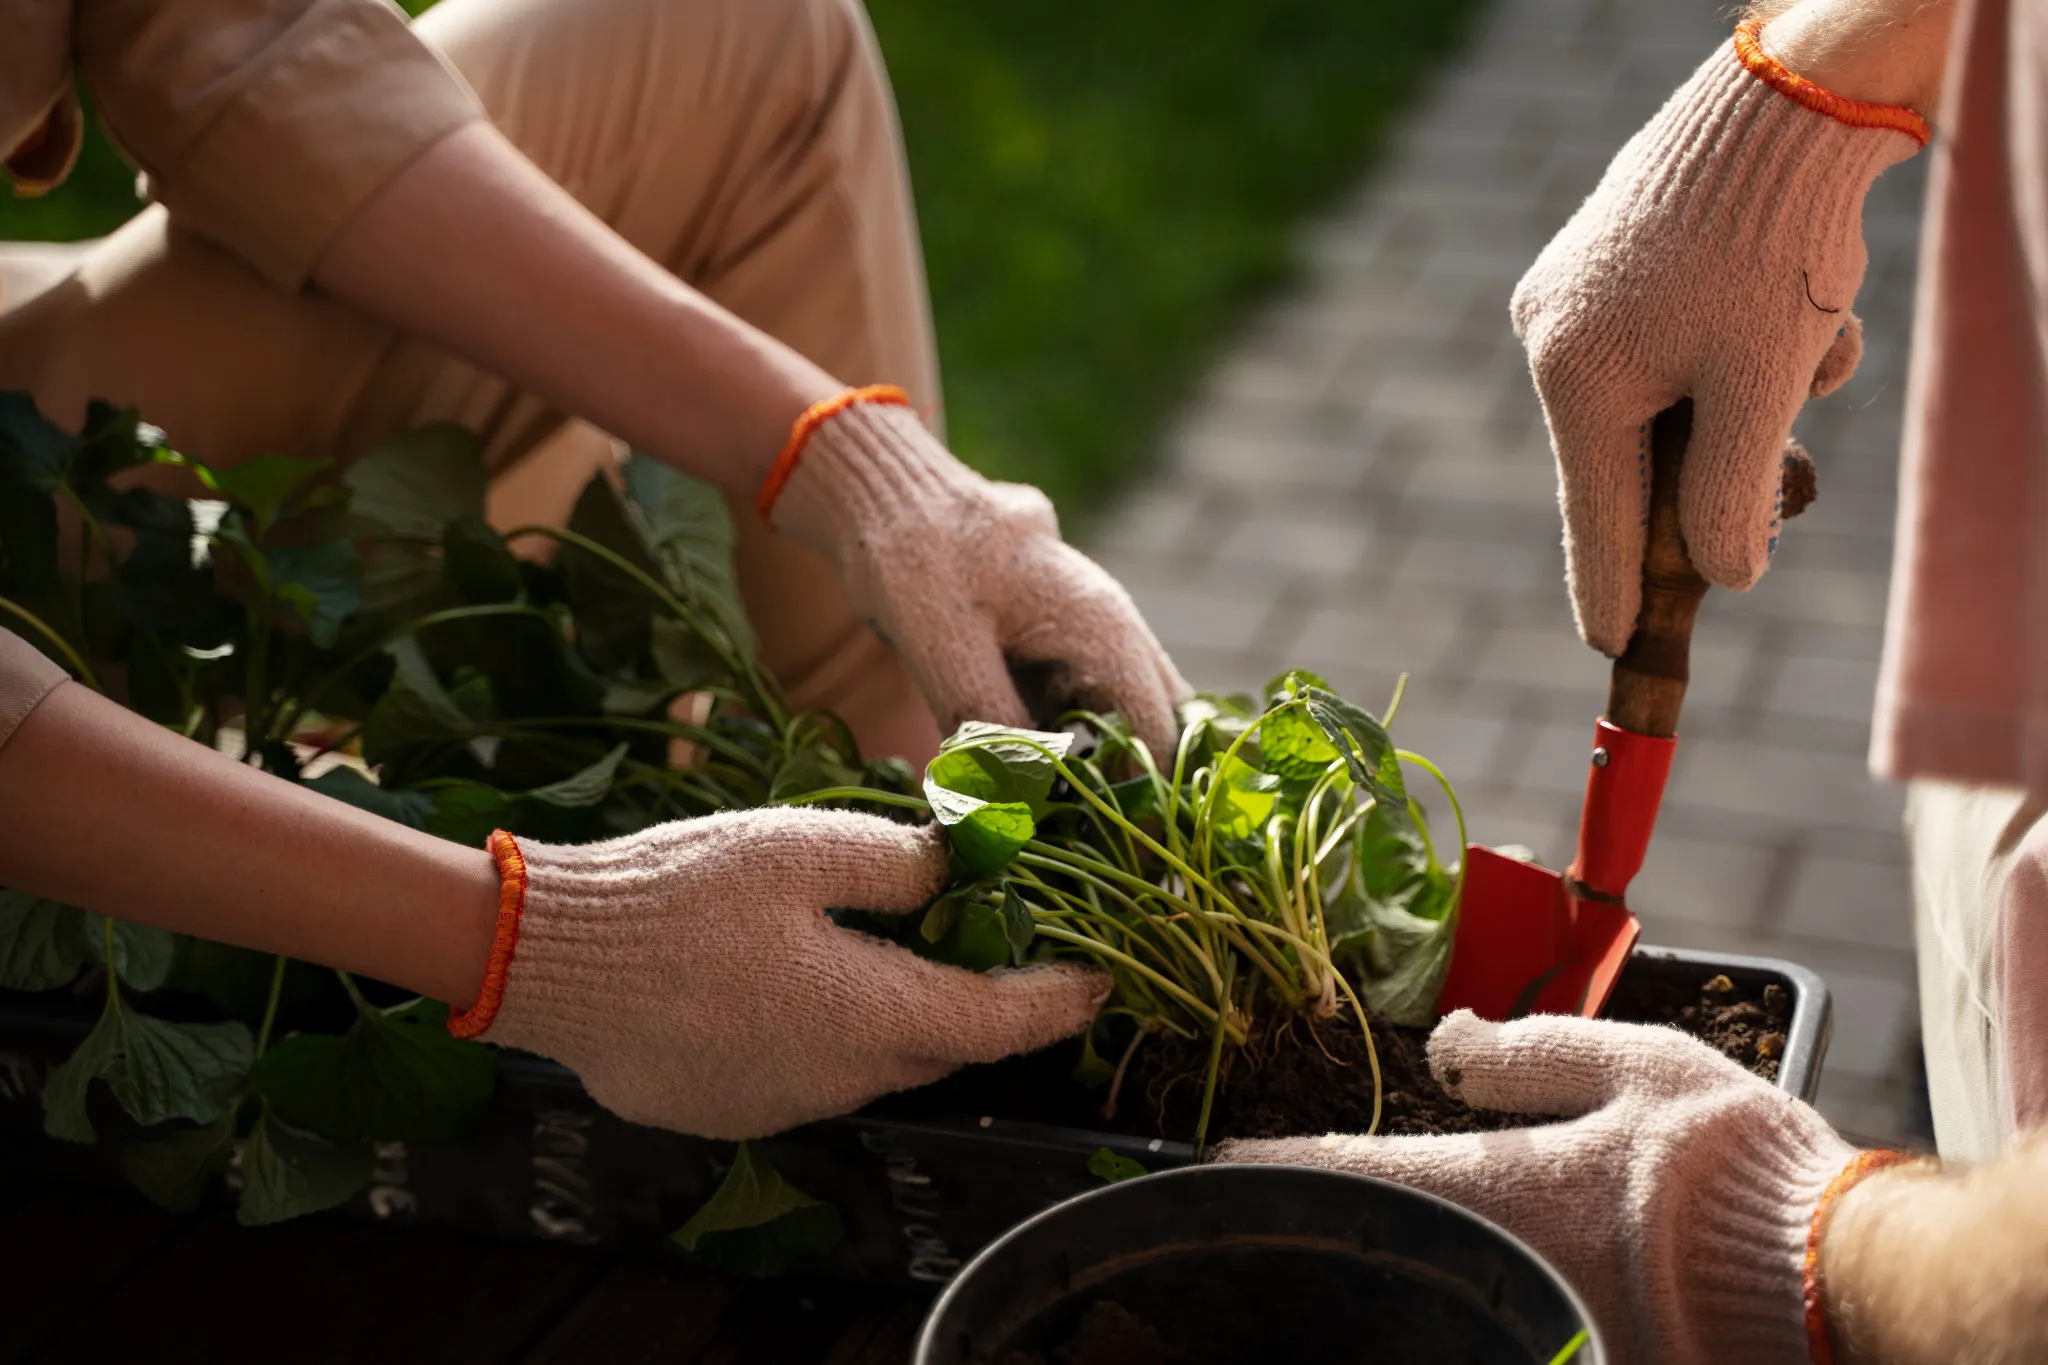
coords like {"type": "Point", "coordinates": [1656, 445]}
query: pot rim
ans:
{"type": "Point", "coordinates": [1593, 1353]}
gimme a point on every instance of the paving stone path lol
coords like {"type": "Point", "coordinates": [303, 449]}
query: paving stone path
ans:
{"type": "Point", "coordinates": [1364, 487]}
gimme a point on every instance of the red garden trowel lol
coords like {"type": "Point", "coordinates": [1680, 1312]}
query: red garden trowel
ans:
{"type": "Point", "coordinates": [1530, 940]}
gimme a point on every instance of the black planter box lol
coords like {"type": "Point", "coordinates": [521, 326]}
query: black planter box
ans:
{"type": "Point", "coordinates": [918, 1195]}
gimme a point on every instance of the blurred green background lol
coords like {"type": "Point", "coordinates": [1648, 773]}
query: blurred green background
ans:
{"type": "Point", "coordinates": [1102, 189]}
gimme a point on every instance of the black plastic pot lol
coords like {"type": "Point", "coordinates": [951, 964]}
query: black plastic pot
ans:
{"type": "Point", "coordinates": [1216, 1265]}
{"type": "Point", "coordinates": [919, 1193]}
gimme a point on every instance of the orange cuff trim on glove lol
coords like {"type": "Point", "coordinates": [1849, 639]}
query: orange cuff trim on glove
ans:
{"type": "Point", "coordinates": [815, 416]}
{"type": "Point", "coordinates": [1819, 1344]}
{"type": "Point", "coordinates": [511, 905]}
{"type": "Point", "coordinates": [1793, 86]}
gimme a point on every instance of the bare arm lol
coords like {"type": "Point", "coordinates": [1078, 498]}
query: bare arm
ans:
{"type": "Point", "coordinates": [475, 248]}
{"type": "Point", "coordinates": [110, 812]}
{"type": "Point", "coordinates": [1924, 1267]}
{"type": "Point", "coordinates": [1877, 51]}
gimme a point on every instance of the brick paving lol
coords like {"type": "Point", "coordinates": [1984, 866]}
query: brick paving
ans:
{"type": "Point", "coordinates": [1363, 486]}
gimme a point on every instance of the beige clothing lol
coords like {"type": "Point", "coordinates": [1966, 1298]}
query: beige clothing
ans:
{"type": "Point", "coordinates": [263, 124]}
{"type": "Point", "coordinates": [1962, 704]}
{"type": "Point", "coordinates": [1972, 848]}
{"type": "Point", "coordinates": [748, 145]}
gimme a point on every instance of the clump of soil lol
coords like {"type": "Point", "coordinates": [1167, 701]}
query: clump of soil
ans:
{"type": "Point", "coordinates": [1108, 1334]}
{"type": "Point", "coordinates": [1320, 1080]}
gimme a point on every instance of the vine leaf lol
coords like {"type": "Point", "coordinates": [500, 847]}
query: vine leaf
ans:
{"type": "Point", "coordinates": [42, 944]}
{"type": "Point", "coordinates": [174, 1168]}
{"type": "Point", "coordinates": [287, 1172]}
{"type": "Point", "coordinates": [1110, 1168]}
{"type": "Point", "coordinates": [143, 955]}
{"type": "Point", "coordinates": [757, 1223]}
{"type": "Point", "coordinates": [346, 784]}
{"type": "Point", "coordinates": [158, 1071]}
{"type": "Point", "coordinates": [396, 1074]}
{"type": "Point", "coordinates": [583, 788]}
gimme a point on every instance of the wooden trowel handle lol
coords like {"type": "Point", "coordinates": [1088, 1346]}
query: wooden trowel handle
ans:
{"type": "Point", "coordinates": [1648, 688]}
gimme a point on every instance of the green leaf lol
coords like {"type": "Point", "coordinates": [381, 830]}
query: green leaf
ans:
{"type": "Point", "coordinates": [397, 1074]}
{"type": "Point", "coordinates": [975, 937]}
{"type": "Point", "coordinates": [415, 483]}
{"type": "Point", "coordinates": [157, 1070]}
{"type": "Point", "coordinates": [1111, 1168]}
{"type": "Point", "coordinates": [1293, 745]}
{"type": "Point", "coordinates": [346, 784]}
{"type": "Point", "coordinates": [1367, 749]}
{"type": "Point", "coordinates": [1018, 929]}
{"type": "Point", "coordinates": [613, 609]}
{"type": "Point", "coordinates": [173, 1168]}
{"type": "Point", "coordinates": [584, 788]}
{"type": "Point", "coordinates": [999, 763]}
{"type": "Point", "coordinates": [263, 484]}
{"type": "Point", "coordinates": [467, 812]}
{"type": "Point", "coordinates": [478, 564]}
{"type": "Point", "coordinates": [1244, 799]}
{"type": "Point", "coordinates": [42, 943]}
{"type": "Point", "coordinates": [803, 771]}
{"type": "Point", "coordinates": [287, 1172]}
{"type": "Point", "coordinates": [939, 917]}
{"type": "Point", "coordinates": [320, 583]}
{"type": "Point", "coordinates": [692, 532]}
{"type": "Point", "coordinates": [1404, 898]}
{"type": "Point", "coordinates": [1093, 1070]}
{"type": "Point", "coordinates": [985, 836]}
{"type": "Point", "coordinates": [34, 454]}
{"type": "Point", "coordinates": [142, 954]}
{"type": "Point", "coordinates": [757, 1223]}
{"type": "Point", "coordinates": [682, 657]}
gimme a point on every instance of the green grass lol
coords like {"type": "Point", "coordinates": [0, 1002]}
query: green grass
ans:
{"type": "Point", "coordinates": [1102, 190]}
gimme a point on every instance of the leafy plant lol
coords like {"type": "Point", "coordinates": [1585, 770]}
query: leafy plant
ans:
{"type": "Point", "coordinates": [329, 628]}
{"type": "Point", "coordinates": [370, 635]}
{"type": "Point", "coordinates": [1278, 870]}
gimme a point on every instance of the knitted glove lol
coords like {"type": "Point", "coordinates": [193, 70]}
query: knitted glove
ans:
{"type": "Point", "coordinates": [689, 976]}
{"type": "Point", "coordinates": [1678, 1201]}
{"type": "Point", "coordinates": [968, 579]}
{"type": "Point", "coordinates": [1717, 259]}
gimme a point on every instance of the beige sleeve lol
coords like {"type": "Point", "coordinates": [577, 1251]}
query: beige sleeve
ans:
{"type": "Point", "coordinates": [266, 124]}
{"type": "Point", "coordinates": [27, 675]}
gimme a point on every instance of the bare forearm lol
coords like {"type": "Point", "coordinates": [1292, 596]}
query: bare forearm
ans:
{"type": "Point", "coordinates": [474, 248]}
{"type": "Point", "coordinates": [1877, 51]}
{"type": "Point", "coordinates": [109, 812]}
{"type": "Point", "coordinates": [1922, 1267]}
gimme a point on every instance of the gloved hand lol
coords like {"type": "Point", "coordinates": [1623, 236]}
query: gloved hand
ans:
{"type": "Point", "coordinates": [967, 578]}
{"type": "Point", "coordinates": [1677, 1200]}
{"type": "Point", "coordinates": [1717, 259]}
{"type": "Point", "coordinates": [689, 976]}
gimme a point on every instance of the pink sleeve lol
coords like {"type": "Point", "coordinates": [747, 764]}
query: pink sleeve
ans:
{"type": "Point", "coordinates": [2021, 965]}
{"type": "Point", "coordinates": [26, 676]}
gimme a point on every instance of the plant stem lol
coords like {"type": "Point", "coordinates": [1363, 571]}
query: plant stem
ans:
{"type": "Point", "coordinates": [1215, 1058]}
{"type": "Point", "coordinates": [63, 646]}
{"type": "Point", "coordinates": [355, 993]}
{"type": "Point", "coordinates": [874, 794]}
{"type": "Point", "coordinates": [1571, 1348]}
{"type": "Point", "coordinates": [270, 1005]}
{"type": "Point", "coordinates": [1100, 949]}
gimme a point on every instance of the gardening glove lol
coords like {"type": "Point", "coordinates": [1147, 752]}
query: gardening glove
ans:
{"type": "Point", "coordinates": [688, 973]}
{"type": "Point", "coordinates": [1717, 259]}
{"type": "Point", "coordinates": [1677, 1199]}
{"type": "Point", "coordinates": [966, 578]}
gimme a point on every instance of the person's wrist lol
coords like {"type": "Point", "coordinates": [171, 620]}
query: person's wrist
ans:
{"type": "Point", "coordinates": [1865, 1242]}
{"type": "Point", "coordinates": [487, 935]}
{"type": "Point", "coordinates": [866, 462]}
{"type": "Point", "coordinates": [1885, 53]}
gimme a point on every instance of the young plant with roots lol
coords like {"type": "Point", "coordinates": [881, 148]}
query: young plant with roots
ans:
{"type": "Point", "coordinates": [1277, 871]}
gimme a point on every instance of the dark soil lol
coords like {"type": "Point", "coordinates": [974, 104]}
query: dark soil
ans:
{"type": "Point", "coordinates": [1320, 1081]}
